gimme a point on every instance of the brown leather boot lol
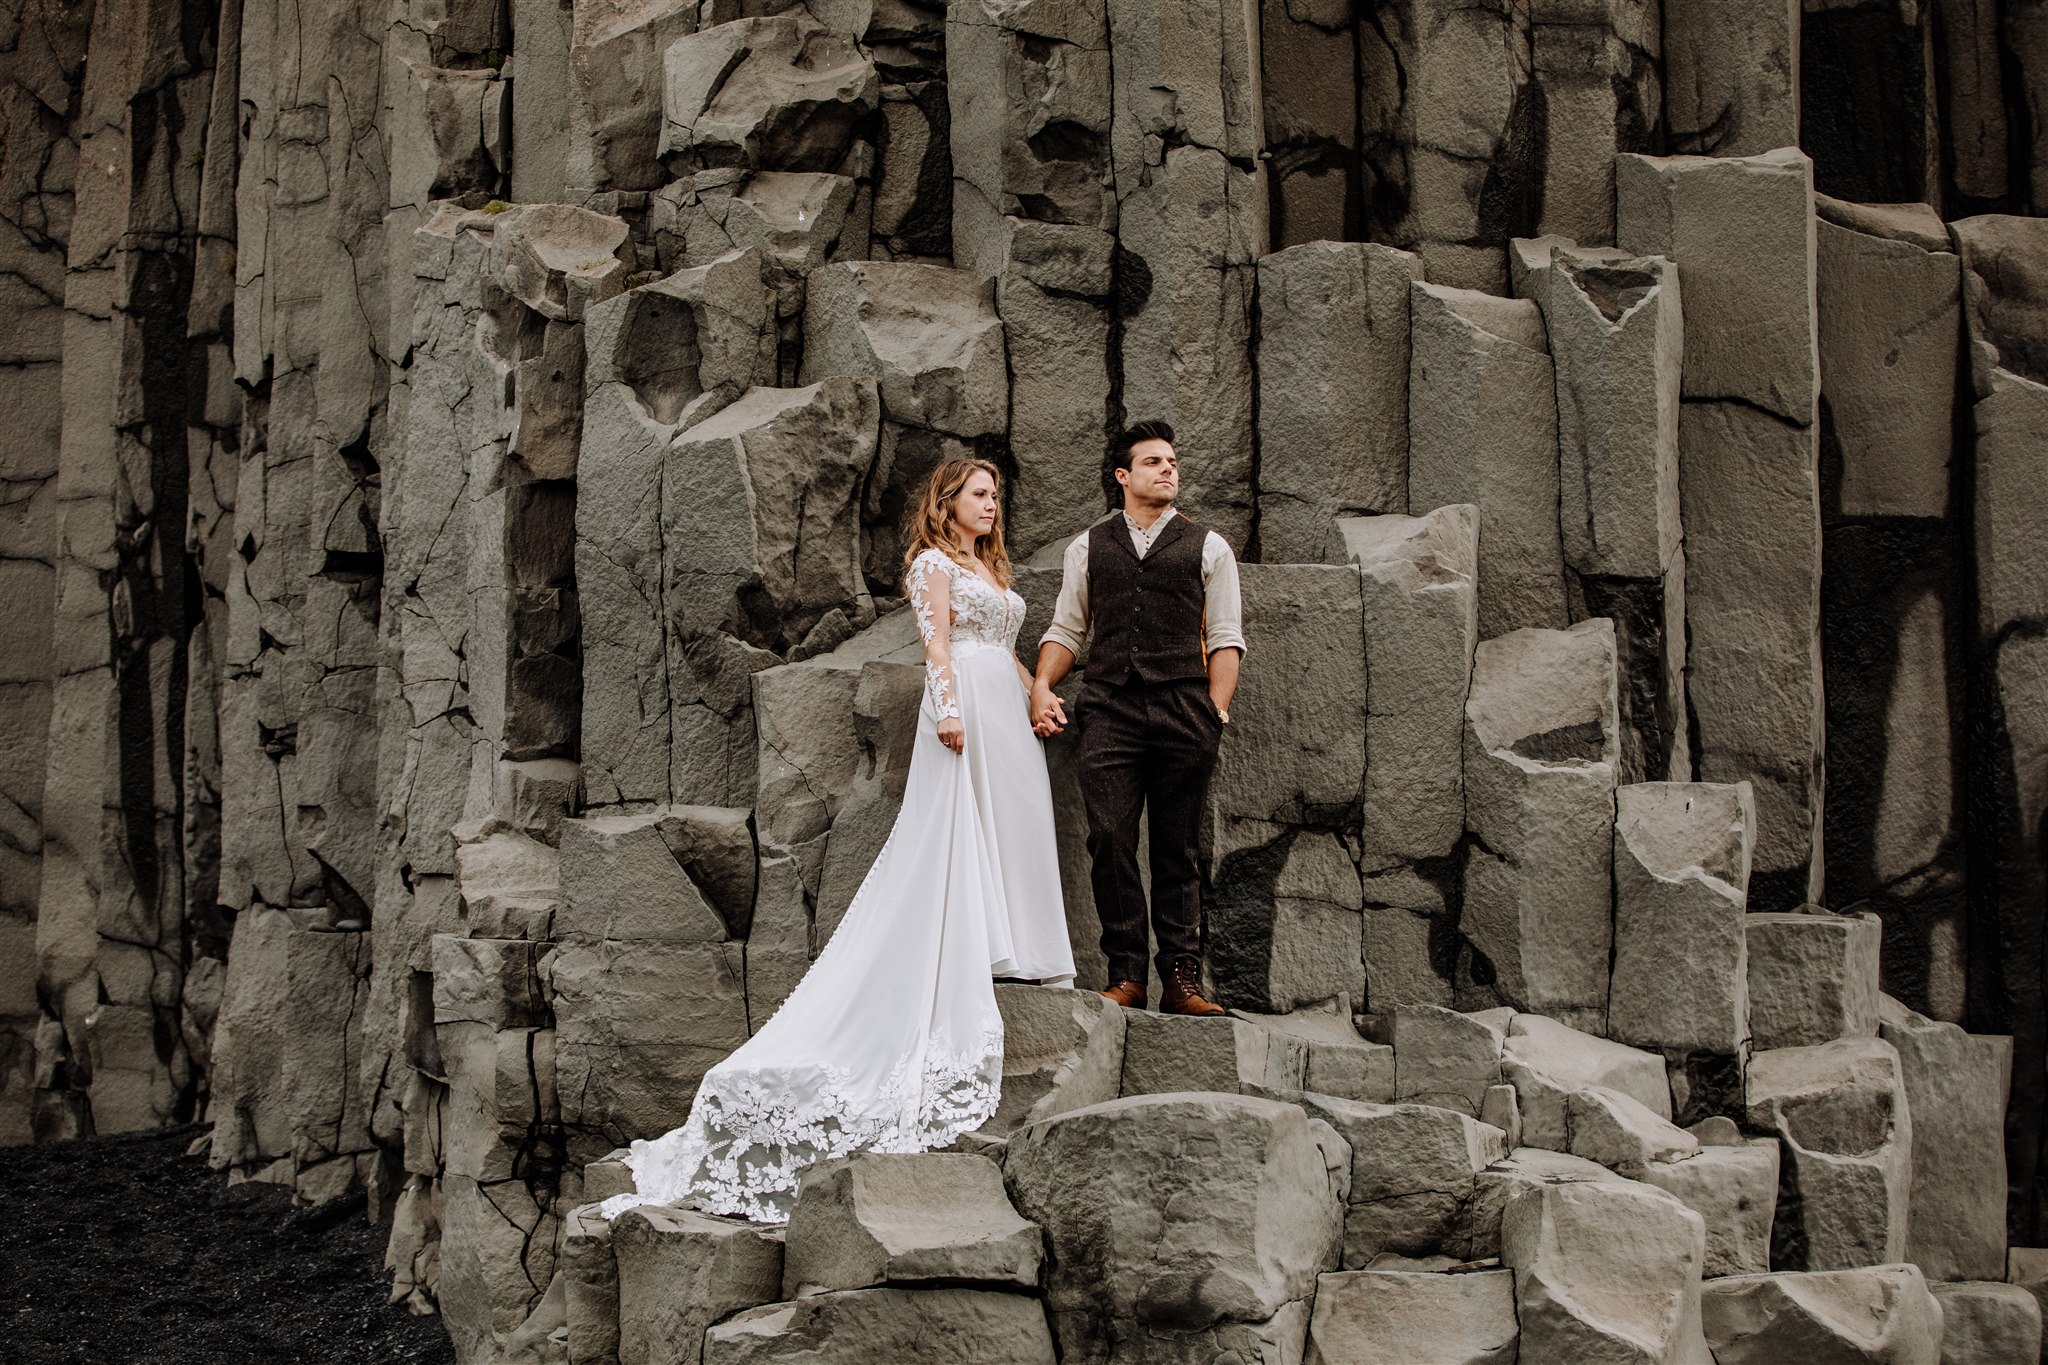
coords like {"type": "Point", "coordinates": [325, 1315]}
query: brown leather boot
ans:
{"type": "Point", "coordinates": [1129, 994]}
{"type": "Point", "coordinates": [1182, 992]}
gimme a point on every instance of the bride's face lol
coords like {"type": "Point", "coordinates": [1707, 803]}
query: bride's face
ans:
{"type": "Point", "coordinates": [974, 506]}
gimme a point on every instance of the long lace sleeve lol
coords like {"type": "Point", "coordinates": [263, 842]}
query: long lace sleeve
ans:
{"type": "Point", "coordinates": [931, 597]}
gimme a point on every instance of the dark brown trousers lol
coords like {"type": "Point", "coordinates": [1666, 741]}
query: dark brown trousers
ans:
{"type": "Point", "coordinates": [1147, 749]}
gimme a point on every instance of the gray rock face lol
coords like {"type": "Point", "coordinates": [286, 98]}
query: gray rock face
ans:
{"type": "Point", "coordinates": [1742, 230]}
{"type": "Point", "coordinates": [1956, 1087]}
{"type": "Point", "coordinates": [590, 1288]}
{"type": "Point", "coordinates": [1337, 1061]}
{"type": "Point", "coordinates": [1615, 333]}
{"type": "Point", "coordinates": [1446, 1059]}
{"type": "Point", "coordinates": [1447, 89]}
{"type": "Point", "coordinates": [1412, 1173]}
{"type": "Point", "coordinates": [1731, 76]}
{"type": "Point", "coordinates": [916, 1327]}
{"type": "Point", "coordinates": [638, 1024]}
{"type": "Point", "coordinates": [1425, 1319]}
{"type": "Point", "coordinates": [1333, 392]}
{"type": "Point", "coordinates": [1884, 1313]}
{"type": "Point", "coordinates": [1062, 1049]}
{"type": "Point", "coordinates": [1482, 428]}
{"type": "Point", "coordinates": [1734, 1190]}
{"type": "Point", "coordinates": [776, 93]}
{"type": "Point", "coordinates": [1029, 93]}
{"type": "Point", "coordinates": [1419, 577]}
{"type": "Point", "coordinates": [1605, 1271]}
{"type": "Point", "coordinates": [1983, 1322]}
{"type": "Point", "coordinates": [1681, 880]}
{"type": "Point", "coordinates": [1053, 288]}
{"type": "Point", "coordinates": [928, 1218]}
{"type": "Point", "coordinates": [1193, 225]}
{"type": "Point", "coordinates": [1547, 1063]}
{"type": "Point", "coordinates": [1812, 978]}
{"type": "Point", "coordinates": [1139, 1273]}
{"type": "Point", "coordinates": [679, 1272]}
{"type": "Point", "coordinates": [1540, 747]}
{"type": "Point", "coordinates": [659, 359]}
{"type": "Point", "coordinates": [680, 873]}
{"type": "Point", "coordinates": [1840, 1110]}
{"type": "Point", "coordinates": [1165, 1054]}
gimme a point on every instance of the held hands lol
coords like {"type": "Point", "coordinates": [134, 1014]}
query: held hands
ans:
{"type": "Point", "coordinates": [1048, 713]}
{"type": "Point", "coordinates": [953, 734]}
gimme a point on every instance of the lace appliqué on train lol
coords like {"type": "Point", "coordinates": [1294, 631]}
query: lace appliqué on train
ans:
{"type": "Point", "coordinates": [752, 1134]}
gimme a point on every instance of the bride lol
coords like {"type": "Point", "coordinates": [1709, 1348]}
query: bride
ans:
{"type": "Point", "coordinates": [892, 1041]}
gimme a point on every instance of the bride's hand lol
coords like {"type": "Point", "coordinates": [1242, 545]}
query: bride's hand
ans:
{"type": "Point", "coordinates": [953, 734]}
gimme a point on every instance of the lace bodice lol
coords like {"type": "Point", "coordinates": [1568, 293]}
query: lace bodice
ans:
{"type": "Point", "coordinates": [981, 615]}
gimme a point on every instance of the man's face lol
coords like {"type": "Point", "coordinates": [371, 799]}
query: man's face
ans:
{"type": "Point", "coordinates": [1154, 475]}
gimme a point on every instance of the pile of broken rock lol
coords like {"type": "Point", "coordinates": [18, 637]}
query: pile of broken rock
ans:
{"type": "Point", "coordinates": [1473, 1189]}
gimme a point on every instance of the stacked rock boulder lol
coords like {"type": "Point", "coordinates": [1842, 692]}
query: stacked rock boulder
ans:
{"type": "Point", "coordinates": [458, 676]}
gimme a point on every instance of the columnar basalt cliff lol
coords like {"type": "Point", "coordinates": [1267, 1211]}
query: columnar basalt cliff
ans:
{"type": "Point", "coordinates": [455, 674]}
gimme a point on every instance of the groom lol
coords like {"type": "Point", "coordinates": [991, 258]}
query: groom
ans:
{"type": "Point", "coordinates": [1161, 595]}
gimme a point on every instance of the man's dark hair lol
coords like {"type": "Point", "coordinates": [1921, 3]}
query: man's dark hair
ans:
{"type": "Point", "coordinates": [1120, 448]}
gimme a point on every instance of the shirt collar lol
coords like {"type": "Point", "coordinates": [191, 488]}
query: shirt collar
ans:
{"type": "Point", "coordinates": [1157, 526]}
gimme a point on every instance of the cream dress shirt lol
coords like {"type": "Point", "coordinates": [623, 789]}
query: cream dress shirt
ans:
{"type": "Point", "coordinates": [1223, 613]}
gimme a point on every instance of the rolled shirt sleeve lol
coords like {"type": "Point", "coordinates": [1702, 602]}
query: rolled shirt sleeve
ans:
{"type": "Point", "coordinates": [1069, 627]}
{"type": "Point", "coordinates": [1223, 604]}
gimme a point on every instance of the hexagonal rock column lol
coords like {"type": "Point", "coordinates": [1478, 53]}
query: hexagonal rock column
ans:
{"type": "Point", "coordinates": [905, 1326]}
{"type": "Point", "coordinates": [679, 1272]}
{"type": "Point", "coordinates": [1731, 75]}
{"type": "Point", "coordinates": [1540, 745]}
{"type": "Point", "coordinates": [1867, 101]}
{"type": "Point", "coordinates": [1419, 1319]}
{"type": "Point", "coordinates": [1054, 285]}
{"type": "Point", "coordinates": [2008, 653]}
{"type": "Point", "coordinates": [1605, 1271]}
{"type": "Point", "coordinates": [1734, 1190]}
{"type": "Point", "coordinates": [1419, 579]}
{"type": "Point", "coordinates": [640, 1017]}
{"type": "Point", "coordinates": [1412, 1170]}
{"type": "Point", "coordinates": [1601, 76]}
{"type": "Point", "coordinates": [745, 577]}
{"type": "Point", "coordinates": [1741, 230]}
{"type": "Point", "coordinates": [1062, 1049]}
{"type": "Point", "coordinates": [1846, 1178]}
{"type": "Point", "coordinates": [1681, 964]}
{"type": "Point", "coordinates": [1185, 136]}
{"type": "Point", "coordinates": [1165, 1054]}
{"type": "Point", "coordinates": [1956, 1087]}
{"type": "Point", "coordinates": [1547, 1062]}
{"type": "Point", "coordinates": [1157, 1257]}
{"type": "Point", "coordinates": [614, 115]}
{"type": "Point", "coordinates": [1308, 63]}
{"type": "Point", "coordinates": [659, 359]}
{"type": "Point", "coordinates": [1450, 114]}
{"type": "Point", "coordinates": [1029, 90]}
{"type": "Point", "coordinates": [1883, 1314]}
{"type": "Point", "coordinates": [1283, 909]}
{"type": "Point", "coordinates": [1338, 1062]}
{"type": "Point", "coordinates": [1812, 978]}
{"type": "Point", "coordinates": [1615, 330]}
{"type": "Point", "coordinates": [781, 92]}
{"type": "Point", "coordinates": [1447, 1059]}
{"type": "Point", "coordinates": [1482, 428]}
{"type": "Point", "coordinates": [1890, 291]}
{"type": "Point", "coordinates": [926, 1218]}
{"type": "Point", "coordinates": [1983, 1324]}
{"type": "Point", "coordinates": [1333, 393]}
{"type": "Point", "coordinates": [930, 340]}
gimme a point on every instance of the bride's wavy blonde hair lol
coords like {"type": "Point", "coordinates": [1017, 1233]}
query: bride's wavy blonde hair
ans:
{"type": "Point", "coordinates": [929, 523]}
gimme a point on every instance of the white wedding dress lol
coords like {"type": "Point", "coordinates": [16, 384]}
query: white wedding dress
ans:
{"type": "Point", "coordinates": [892, 1041]}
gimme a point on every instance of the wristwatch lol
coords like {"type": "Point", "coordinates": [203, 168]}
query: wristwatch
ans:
{"type": "Point", "coordinates": [1223, 715]}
